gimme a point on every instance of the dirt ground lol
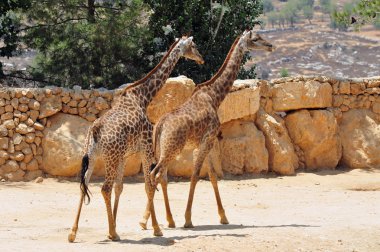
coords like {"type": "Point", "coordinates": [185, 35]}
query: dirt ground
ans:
{"type": "Point", "coordinates": [327, 211]}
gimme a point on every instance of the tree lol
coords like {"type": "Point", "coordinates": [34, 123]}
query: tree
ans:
{"type": "Point", "coordinates": [9, 27]}
{"type": "Point", "coordinates": [214, 25]}
{"type": "Point", "coordinates": [267, 6]}
{"type": "Point", "coordinates": [308, 13]}
{"type": "Point", "coordinates": [87, 42]}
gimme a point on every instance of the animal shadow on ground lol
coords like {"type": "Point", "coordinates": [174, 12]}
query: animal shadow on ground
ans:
{"type": "Point", "coordinates": [169, 241]}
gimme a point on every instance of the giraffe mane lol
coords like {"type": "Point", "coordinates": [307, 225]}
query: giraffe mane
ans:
{"type": "Point", "coordinates": [142, 80]}
{"type": "Point", "coordinates": [221, 69]}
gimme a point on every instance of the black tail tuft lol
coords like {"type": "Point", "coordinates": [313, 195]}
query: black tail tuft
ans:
{"type": "Point", "coordinates": [152, 166]}
{"type": "Point", "coordinates": [83, 186]}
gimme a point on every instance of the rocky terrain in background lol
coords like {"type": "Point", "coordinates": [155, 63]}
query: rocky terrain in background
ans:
{"type": "Point", "coordinates": [312, 50]}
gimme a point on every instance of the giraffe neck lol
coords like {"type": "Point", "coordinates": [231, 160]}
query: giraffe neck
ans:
{"type": "Point", "coordinates": [152, 83]}
{"type": "Point", "coordinates": [219, 86]}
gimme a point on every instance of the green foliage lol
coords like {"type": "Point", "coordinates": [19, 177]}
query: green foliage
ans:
{"type": "Point", "coordinates": [308, 12]}
{"type": "Point", "coordinates": [376, 22]}
{"type": "Point", "coordinates": [214, 25]}
{"type": "Point", "coordinates": [284, 72]}
{"type": "Point", "coordinates": [85, 43]}
{"type": "Point", "coordinates": [267, 6]}
{"type": "Point", "coordinates": [326, 6]}
{"type": "Point", "coordinates": [9, 27]}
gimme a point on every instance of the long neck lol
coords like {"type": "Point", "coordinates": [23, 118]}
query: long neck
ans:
{"type": "Point", "coordinates": [219, 86]}
{"type": "Point", "coordinates": [148, 87]}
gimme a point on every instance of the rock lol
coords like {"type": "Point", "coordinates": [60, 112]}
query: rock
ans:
{"type": "Point", "coordinates": [344, 88]}
{"type": "Point", "coordinates": [24, 100]}
{"type": "Point", "coordinates": [33, 104]}
{"type": "Point", "coordinates": [7, 116]}
{"type": "Point", "coordinates": [50, 106]}
{"type": "Point", "coordinates": [24, 129]}
{"type": "Point", "coordinates": [34, 115]}
{"type": "Point", "coordinates": [376, 107]}
{"type": "Point", "coordinates": [4, 154]}
{"type": "Point", "coordinates": [39, 180]}
{"type": "Point", "coordinates": [32, 175]}
{"type": "Point", "coordinates": [29, 138]}
{"type": "Point", "coordinates": [15, 176]}
{"type": "Point", "coordinates": [243, 148]}
{"type": "Point", "coordinates": [4, 143]}
{"type": "Point", "coordinates": [101, 103]}
{"type": "Point", "coordinates": [182, 165]}
{"type": "Point", "coordinates": [66, 99]}
{"type": "Point", "coordinates": [316, 133]}
{"type": "Point", "coordinates": [63, 145]}
{"type": "Point", "coordinates": [243, 103]}
{"type": "Point", "coordinates": [14, 103]}
{"type": "Point", "coordinates": [174, 93]}
{"type": "Point", "coordinates": [17, 138]}
{"type": "Point", "coordinates": [4, 128]}
{"type": "Point", "coordinates": [28, 158]}
{"type": "Point", "coordinates": [282, 157]}
{"type": "Point", "coordinates": [8, 108]}
{"type": "Point", "coordinates": [9, 166]}
{"type": "Point", "coordinates": [360, 135]}
{"type": "Point", "coordinates": [32, 165]}
{"type": "Point", "coordinates": [301, 95]}
{"type": "Point", "coordinates": [23, 107]}
{"type": "Point", "coordinates": [17, 156]}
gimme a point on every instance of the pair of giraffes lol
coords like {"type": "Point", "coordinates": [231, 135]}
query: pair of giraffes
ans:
{"type": "Point", "coordinates": [125, 129]}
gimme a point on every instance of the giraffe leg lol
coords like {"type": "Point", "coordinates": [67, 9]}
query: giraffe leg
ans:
{"type": "Point", "coordinates": [144, 221]}
{"type": "Point", "coordinates": [164, 185]}
{"type": "Point", "coordinates": [203, 151]}
{"type": "Point", "coordinates": [118, 191]}
{"type": "Point", "coordinates": [214, 181]}
{"type": "Point", "coordinates": [147, 160]}
{"type": "Point", "coordinates": [106, 192]}
{"type": "Point", "coordinates": [74, 229]}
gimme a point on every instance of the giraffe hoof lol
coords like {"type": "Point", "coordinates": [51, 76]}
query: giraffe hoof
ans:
{"type": "Point", "coordinates": [142, 225]}
{"type": "Point", "coordinates": [71, 237]}
{"type": "Point", "coordinates": [171, 224]}
{"type": "Point", "coordinates": [188, 225]}
{"type": "Point", "coordinates": [157, 233]}
{"type": "Point", "coordinates": [224, 221]}
{"type": "Point", "coordinates": [115, 237]}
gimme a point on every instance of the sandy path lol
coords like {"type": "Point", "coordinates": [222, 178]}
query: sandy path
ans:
{"type": "Point", "coordinates": [334, 211]}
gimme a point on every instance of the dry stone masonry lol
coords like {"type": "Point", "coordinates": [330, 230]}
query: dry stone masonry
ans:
{"type": "Point", "coordinates": [282, 126]}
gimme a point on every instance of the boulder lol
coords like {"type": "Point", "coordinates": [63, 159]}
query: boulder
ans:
{"type": "Point", "coordinates": [316, 132]}
{"type": "Point", "coordinates": [174, 93]}
{"type": "Point", "coordinates": [360, 135]}
{"type": "Point", "coordinates": [50, 106]}
{"type": "Point", "coordinates": [282, 157]}
{"type": "Point", "coordinates": [242, 148]}
{"type": "Point", "coordinates": [63, 145]}
{"type": "Point", "coordinates": [242, 103]}
{"type": "Point", "coordinates": [301, 95]}
{"type": "Point", "coordinates": [182, 165]}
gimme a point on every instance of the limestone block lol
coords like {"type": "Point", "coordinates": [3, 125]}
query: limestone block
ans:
{"type": "Point", "coordinates": [63, 144]}
{"type": "Point", "coordinates": [282, 157]}
{"type": "Point", "coordinates": [360, 135]}
{"type": "Point", "coordinates": [316, 132]}
{"type": "Point", "coordinates": [243, 103]}
{"type": "Point", "coordinates": [243, 148]}
{"type": "Point", "coordinates": [173, 94]}
{"type": "Point", "coordinates": [50, 106]}
{"type": "Point", "coordinates": [301, 95]}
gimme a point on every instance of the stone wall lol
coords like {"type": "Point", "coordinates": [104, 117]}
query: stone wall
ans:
{"type": "Point", "coordinates": [282, 126]}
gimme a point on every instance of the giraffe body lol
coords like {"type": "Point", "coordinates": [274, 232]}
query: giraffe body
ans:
{"type": "Point", "coordinates": [124, 130]}
{"type": "Point", "coordinates": [196, 122]}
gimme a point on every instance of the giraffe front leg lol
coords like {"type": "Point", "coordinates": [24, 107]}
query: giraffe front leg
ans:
{"type": "Point", "coordinates": [106, 192]}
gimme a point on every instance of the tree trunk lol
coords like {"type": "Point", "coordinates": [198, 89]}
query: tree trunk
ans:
{"type": "Point", "coordinates": [91, 11]}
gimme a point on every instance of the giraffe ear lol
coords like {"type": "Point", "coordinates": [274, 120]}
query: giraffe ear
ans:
{"type": "Point", "coordinates": [176, 39]}
{"type": "Point", "coordinates": [190, 38]}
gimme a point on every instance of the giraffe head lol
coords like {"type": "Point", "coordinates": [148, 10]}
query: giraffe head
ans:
{"type": "Point", "coordinates": [189, 50]}
{"type": "Point", "coordinates": [251, 40]}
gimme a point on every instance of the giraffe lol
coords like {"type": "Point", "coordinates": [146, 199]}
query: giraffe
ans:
{"type": "Point", "coordinates": [196, 122]}
{"type": "Point", "coordinates": [125, 129]}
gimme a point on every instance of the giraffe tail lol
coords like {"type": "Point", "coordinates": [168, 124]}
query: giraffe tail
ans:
{"type": "Point", "coordinates": [86, 171]}
{"type": "Point", "coordinates": [83, 185]}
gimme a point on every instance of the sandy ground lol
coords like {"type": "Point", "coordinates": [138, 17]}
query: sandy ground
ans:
{"type": "Point", "coordinates": [327, 211]}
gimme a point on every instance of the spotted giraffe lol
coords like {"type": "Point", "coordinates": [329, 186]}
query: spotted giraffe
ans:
{"type": "Point", "coordinates": [196, 122]}
{"type": "Point", "coordinates": [125, 129]}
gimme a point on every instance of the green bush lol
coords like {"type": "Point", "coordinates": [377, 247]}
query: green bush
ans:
{"type": "Point", "coordinates": [284, 72]}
